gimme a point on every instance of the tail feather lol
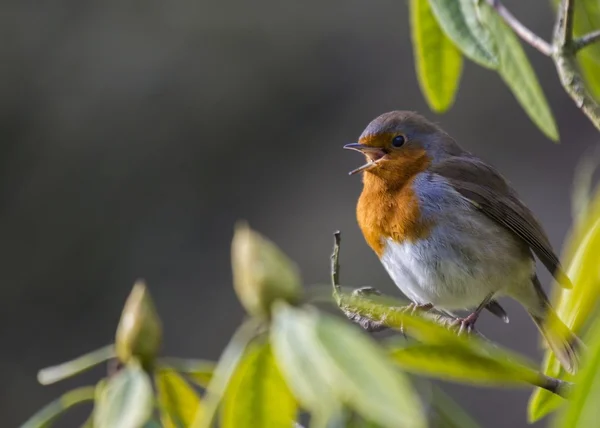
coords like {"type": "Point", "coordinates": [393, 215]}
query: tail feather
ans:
{"type": "Point", "coordinates": [560, 339]}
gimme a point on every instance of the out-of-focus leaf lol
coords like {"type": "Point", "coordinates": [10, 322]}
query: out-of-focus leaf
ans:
{"type": "Point", "coordinates": [463, 364]}
{"type": "Point", "coordinates": [438, 61]}
{"type": "Point", "coordinates": [517, 73]}
{"type": "Point", "coordinates": [262, 273]}
{"type": "Point", "coordinates": [355, 367]}
{"type": "Point", "coordinates": [47, 415]}
{"type": "Point", "coordinates": [293, 341]}
{"type": "Point", "coordinates": [575, 306]}
{"type": "Point", "coordinates": [71, 368]}
{"type": "Point", "coordinates": [177, 400]}
{"type": "Point", "coordinates": [459, 20]}
{"type": "Point", "coordinates": [223, 371]}
{"type": "Point", "coordinates": [257, 395]}
{"type": "Point", "coordinates": [127, 399]}
{"type": "Point", "coordinates": [582, 409]}
{"type": "Point", "coordinates": [200, 371]}
{"type": "Point", "coordinates": [448, 414]}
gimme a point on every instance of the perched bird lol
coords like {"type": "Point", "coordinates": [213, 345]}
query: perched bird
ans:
{"type": "Point", "coordinates": [449, 229]}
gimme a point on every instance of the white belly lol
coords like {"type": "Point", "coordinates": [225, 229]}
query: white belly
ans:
{"type": "Point", "coordinates": [457, 275]}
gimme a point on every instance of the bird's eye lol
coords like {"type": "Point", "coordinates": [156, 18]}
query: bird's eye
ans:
{"type": "Point", "coordinates": [398, 141]}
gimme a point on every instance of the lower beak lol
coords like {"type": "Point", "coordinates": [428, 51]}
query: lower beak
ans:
{"type": "Point", "coordinates": [373, 154]}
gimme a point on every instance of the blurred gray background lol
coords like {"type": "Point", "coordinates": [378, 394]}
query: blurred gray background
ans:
{"type": "Point", "coordinates": [135, 133]}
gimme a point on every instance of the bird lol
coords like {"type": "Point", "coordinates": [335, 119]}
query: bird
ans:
{"type": "Point", "coordinates": [451, 231]}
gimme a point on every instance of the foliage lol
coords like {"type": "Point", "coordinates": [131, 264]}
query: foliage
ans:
{"type": "Point", "coordinates": [290, 360]}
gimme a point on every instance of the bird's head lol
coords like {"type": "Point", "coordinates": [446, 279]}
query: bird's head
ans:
{"type": "Point", "coordinates": [400, 144]}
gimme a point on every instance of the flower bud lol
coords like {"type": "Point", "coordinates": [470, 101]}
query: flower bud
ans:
{"type": "Point", "coordinates": [139, 333]}
{"type": "Point", "coordinates": [262, 274]}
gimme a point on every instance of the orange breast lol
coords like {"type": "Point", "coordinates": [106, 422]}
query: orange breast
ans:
{"type": "Point", "coordinates": [388, 207]}
{"type": "Point", "coordinates": [383, 215]}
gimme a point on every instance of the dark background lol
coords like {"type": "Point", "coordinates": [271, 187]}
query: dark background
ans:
{"type": "Point", "coordinates": [135, 133]}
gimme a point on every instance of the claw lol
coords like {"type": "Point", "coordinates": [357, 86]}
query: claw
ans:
{"type": "Point", "coordinates": [467, 324]}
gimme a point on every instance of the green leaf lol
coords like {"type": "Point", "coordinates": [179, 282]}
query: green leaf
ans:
{"type": "Point", "coordinates": [466, 364]}
{"type": "Point", "coordinates": [293, 344]}
{"type": "Point", "coordinates": [71, 368]}
{"type": "Point", "coordinates": [225, 368]}
{"type": "Point", "coordinates": [459, 20]}
{"type": "Point", "coordinates": [177, 400]}
{"type": "Point", "coordinates": [355, 367]}
{"type": "Point", "coordinates": [582, 409]}
{"type": "Point", "coordinates": [200, 371]}
{"type": "Point", "coordinates": [517, 73]}
{"type": "Point", "coordinates": [438, 61]}
{"type": "Point", "coordinates": [448, 414]}
{"type": "Point", "coordinates": [127, 399]}
{"type": "Point", "coordinates": [47, 415]}
{"type": "Point", "coordinates": [257, 395]}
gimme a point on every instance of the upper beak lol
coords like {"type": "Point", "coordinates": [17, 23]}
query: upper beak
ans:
{"type": "Point", "coordinates": [373, 154]}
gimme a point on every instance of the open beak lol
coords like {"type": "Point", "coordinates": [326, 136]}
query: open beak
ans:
{"type": "Point", "coordinates": [374, 155]}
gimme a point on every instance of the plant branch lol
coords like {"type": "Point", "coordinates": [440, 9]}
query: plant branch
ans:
{"type": "Point", "coordinates": [586, 40]}
{"type": "Point", "coordinates": [521, 30]}
{"type": "Point", "coordinates": [335, 263]}
{"type": "Point", "coordinates": [358, 307]}
{"type": "Point", "coordinates": [563, 52]}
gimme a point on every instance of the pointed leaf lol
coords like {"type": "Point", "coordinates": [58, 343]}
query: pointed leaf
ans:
{"type": "Point", "coordinates": [356, 368]}
{"type": "Point", "coordinates": [292, 340]}
{"type": "Point", "coordinates": [71, 368]}
{"type": "Point", "coordinates": [177, 400]}
{"type": "Point", "coordinates": [459, 20]}
{"type": "Point", "coordinates": [200, 371]}
{"type": "Point", "coordinates": [257, 395]}
{"type": "Point", "coordinates": [517, 73]}
{"type": "Point", "coordinates": [222, 375]}
{"type": "Point", "coordinates": [438, 61]}
{"type": "Point", "coordinates": [462, 364]}
{"type": "Point", "coordinates": [127, 399]}
{"type": "Point", "coordinates": [582, 409]}
{"type": "Point", "coordinates": [47, 415]}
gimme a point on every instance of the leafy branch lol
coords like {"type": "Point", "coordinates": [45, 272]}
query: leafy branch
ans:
{"type": "Point", "coordinates": [563, 51]}
{"type": "Point", "coordinates": [371, 316]}
{"type": "Point", "coordinates": [486, 32]}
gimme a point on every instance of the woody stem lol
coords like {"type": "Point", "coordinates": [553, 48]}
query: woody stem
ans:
{"type": "Point", "coordinates": [563, 52]}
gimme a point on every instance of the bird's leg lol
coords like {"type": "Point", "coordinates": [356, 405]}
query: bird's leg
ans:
{"type": "Point", "coordinates": [468, 323]}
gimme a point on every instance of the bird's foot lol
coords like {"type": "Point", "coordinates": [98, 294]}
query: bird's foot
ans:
{"type": "Point", "coordinates": [414, 307]}
{"type": "Point", "coordinates": [466, 324]}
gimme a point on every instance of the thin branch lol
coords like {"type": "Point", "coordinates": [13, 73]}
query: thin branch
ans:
{"type": "Point", "coordinates": [586, 40]}
{"type": "Point", "coordinates": [335, 263]}
{"type": "Point", "coordinates": [521, 30]}
{"type": "Point", "coordinates": [563, 28]}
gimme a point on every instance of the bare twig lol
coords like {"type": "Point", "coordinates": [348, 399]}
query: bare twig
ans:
{"type": "Point", "coordinates": [586, 40]}
{"type": "Point", "coordinates": [335, 263]}
{"type": "Point", "coordinates": [521, 30]}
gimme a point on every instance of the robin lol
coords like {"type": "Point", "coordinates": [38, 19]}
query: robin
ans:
{"type": "Point", "coordinates": [450, 231]}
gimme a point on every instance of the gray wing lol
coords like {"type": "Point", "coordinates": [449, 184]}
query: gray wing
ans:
{"type": "Point", "coordinates": [490, 193]}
